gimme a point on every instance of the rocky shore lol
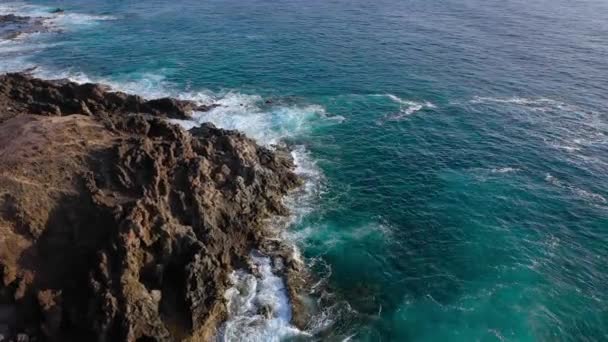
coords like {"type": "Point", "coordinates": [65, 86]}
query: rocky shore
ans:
{"type": "Point", "coordinates": [13, 26]}
{"type": "Point", "coordinates": [116, 225]}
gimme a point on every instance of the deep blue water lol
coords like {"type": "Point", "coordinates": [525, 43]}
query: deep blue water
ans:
{"type": "Point", "coordinates": [456, 151]}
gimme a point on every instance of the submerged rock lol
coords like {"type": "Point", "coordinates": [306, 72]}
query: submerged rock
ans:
{"type": "Point", "coordinates": [13, 26]}
{"type": "Point", "coordinates": [116, 225]}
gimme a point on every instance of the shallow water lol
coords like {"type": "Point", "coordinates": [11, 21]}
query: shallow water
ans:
{"type": "Point", "coordinates": [456, 151]}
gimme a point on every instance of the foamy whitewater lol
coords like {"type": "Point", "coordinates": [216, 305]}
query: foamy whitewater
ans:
{"type": "Point", "coordinates": [258, 303]}
{"type": "Point", "coordinates": [455, 154]}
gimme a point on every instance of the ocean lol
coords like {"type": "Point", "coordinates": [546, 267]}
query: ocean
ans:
{"type": "Point", "coordinates": [455, 152]}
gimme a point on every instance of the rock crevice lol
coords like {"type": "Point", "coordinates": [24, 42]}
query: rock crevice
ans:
{"type": "Point", "coordinates": [116, 225]}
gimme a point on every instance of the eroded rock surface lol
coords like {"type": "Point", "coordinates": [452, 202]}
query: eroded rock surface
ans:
{"type": "Point", "coordinates": [20, 93]}
{"type": "Point", "coordinates": [116, 225]}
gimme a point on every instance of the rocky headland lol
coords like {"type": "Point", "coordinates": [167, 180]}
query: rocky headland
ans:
{"type": "Point", "coordinates": [116, 225]}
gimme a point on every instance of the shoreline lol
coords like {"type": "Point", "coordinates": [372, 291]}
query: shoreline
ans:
{"type": "Point", "coordinates": [92, 98]}
{"type": "Point", "coordinates": [120, 135]}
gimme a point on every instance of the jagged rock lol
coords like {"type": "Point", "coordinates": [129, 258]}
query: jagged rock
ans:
{"type": "Point", "coordinates": [61, 97]}
{"type": "Point", "coordinates": [118, 226]}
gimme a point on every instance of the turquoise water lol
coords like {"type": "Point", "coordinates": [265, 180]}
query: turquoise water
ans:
{"type": "Point", "coordinates": [456, 151]}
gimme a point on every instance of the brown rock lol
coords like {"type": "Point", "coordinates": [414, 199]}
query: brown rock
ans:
{"type": "Point", "coordinates": [122, 227]}
{"type": "Point", "coordinates": [61, 97]}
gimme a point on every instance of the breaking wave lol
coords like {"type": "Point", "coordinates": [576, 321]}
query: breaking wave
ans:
{"type": "Point", "coordinates": [61, 20]}
{"type": "Point", "coordinates": [409, 107]}
{"type": "Point", "coordinates": [258, 303]}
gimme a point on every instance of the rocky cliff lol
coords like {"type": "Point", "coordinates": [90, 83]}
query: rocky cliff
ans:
{"type": "Point", "coordinates": [116, 225]}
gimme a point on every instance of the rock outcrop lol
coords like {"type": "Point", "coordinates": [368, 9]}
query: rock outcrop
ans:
{"type": "Point", "coordinates": [20, 93]}
{"type": "Point", "coordinates": [12, 26]}
{"type": "Point", "coordinates": [116, 225]}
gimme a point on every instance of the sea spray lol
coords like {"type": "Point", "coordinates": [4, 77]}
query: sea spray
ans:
{"type": "Point", "coordinates": [27, 39]}
{"type": "Point", "coordinates": [258, 304]}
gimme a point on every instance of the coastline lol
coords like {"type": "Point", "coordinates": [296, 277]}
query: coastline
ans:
{"type": "Point", "coordinates": [178, 210]}
{"type": "Point", "coordinates": [454, 185]}
{"type": "Point", "coordinates": [271, 259]}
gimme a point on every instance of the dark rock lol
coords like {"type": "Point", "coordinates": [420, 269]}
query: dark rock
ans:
{"type": "Point", "coordinates": [178, 109]}
{"type": "Point", "coordinates": [206, 108]}
{"type": "Point", "coordinates": [62, 97]}
{"type": "Point", "coordinates": [12, 26]}
{"type": "Point", "coordinates": [30, 70]}
{"type": "Point", "coordinates": [13, 19]}
{"type": "Point", "coordinates": [119, 226]}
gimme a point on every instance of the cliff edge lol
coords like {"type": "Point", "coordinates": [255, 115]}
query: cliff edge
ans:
{"type": "Point", "coordinates": [116, 225]}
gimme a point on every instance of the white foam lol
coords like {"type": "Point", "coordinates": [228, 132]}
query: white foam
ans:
{"type": "Point", "coordinates": [68, 19]}
{"type": "Point", "coordinates": [268, 124]}
{"type": "Point", "coordinates": [504, 170]}
{"type": "Point", "coordinates": [303, 202]}
{"type": "Point", "coordinates": [21, 8]}
{"type": "Point", "coordinates": [408, 107]}
{"type": "Point", "coordinates": [147, 85]}
{"type": "Point", "coordinates": [15, 53]}
{"type": "Point", "coordinates": [258, 305]}
{"type": "Point", "coordinates": [61, 20]}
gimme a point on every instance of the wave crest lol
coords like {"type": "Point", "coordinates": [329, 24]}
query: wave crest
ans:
{"type": "Point", "coordinates": [258, 304]}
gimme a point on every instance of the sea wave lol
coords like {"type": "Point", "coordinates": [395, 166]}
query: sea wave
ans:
{"type": "Point", "coordinates": [407, 107]}
{"type": "Point", "coordinates": [258, 304]}
{"type": "Point", "coordinates": [410, 107]}
{"type": "Point", "coordinates": [23, 9]}
{"type": "Point", "coordinates": [61, 20]}
{"type": "Point", "coordinates": [15, 52]}
{"type": "Point", "coordinates": [26, 9]}
{"type": "Point", "coordinates": [269, 124]}
{"type": "Point", "coordinates": [576, 130]}
{"type": "Point", "coordinates": [504, 170]}
{"type": "Point", "coordinates": [579, 192]}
